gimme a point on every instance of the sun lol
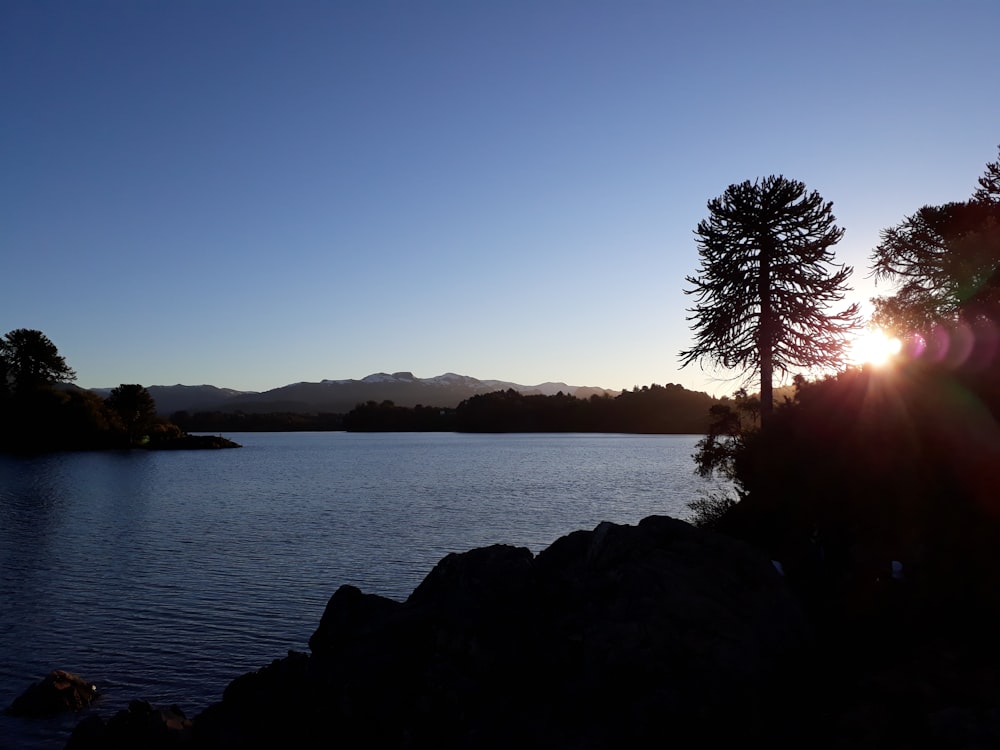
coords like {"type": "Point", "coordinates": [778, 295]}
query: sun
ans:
{"type": "Point", "coordinates": [874, 347]}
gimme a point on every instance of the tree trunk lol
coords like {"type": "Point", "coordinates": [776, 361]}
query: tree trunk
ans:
{"type": "Point", "coordinates": [766, 387]}
{"type": "Point", "coordinates": [766, 343]}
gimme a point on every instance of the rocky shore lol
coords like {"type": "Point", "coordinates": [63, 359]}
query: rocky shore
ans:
{"type": "Point", "coordinates": [621, 636]}
{"type": "Point", "coordinates": [659, 634]}
{"type": "Point", "coordinates": [193, 442]}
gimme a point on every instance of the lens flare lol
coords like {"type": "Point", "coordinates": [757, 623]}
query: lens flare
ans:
{"type": "Point", "coordinates": [874, 347]}
{"type": "Point", "coordinates": [971, 346]}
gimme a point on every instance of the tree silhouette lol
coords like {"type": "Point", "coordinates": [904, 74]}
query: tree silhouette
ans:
{"type": "Point", "coordinates": [31, 361]}
{"type": "Point", "coordinates": [135, 407]}
{"type": "Point", "coordinates": [989, 183]}
{"type": "Point", "coordinates": [945, 260]}
{"type": "Point", "coordinates": [766, 279]}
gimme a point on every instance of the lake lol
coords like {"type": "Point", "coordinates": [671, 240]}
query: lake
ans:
{"type": "Point", "coordinates": [164, 575]}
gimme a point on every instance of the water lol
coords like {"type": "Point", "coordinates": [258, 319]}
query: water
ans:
{"type": "Point", "coordinates": [165, 575]}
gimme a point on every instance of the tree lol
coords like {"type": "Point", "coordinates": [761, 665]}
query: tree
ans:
{"type": "Point", "coordinates": [946, 263]}
{"type": "Point", "coordinates": [135, 407]}
{"type": "Point", "coordinates": [945, 260]}
{"type": "Point", "coordinates": [31, 361]}
{"type": "Point", "coordinates": [989, 183]}
{"type": "Point", "coordinates": [766, 278]}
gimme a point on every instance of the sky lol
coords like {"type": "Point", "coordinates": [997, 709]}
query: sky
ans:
{"type": "Point", "coordinates": [251, 194]}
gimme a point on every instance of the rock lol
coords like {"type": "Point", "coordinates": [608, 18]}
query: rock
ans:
{"type": "Point", "coordinates": [139, 726]}
{"type": "Point", "coordinates": [59, 691]}
{"type": "Point", "coordinates": [620, 636]}
{"type": "Point", "coordinates": [350, 615]}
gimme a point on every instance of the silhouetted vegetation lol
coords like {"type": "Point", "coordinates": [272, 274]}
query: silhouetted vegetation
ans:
{"type": "Point", "coordinates": [766, 281]}
{"type": "Point", "coordinates": [876, 491]}
{"type": "Point", "coordinates": [134, 409]}
{"type": "Point", "coordinates": [944, 259]}
{"type": "Point", "coordinates": [669, 409]}
{"type": "Point", "coordinates": [387, 417]}
{"type": "Point", "coordinates": [238, 421]}
{"type": "Point", "coordinates": [40, 411]}
{"type": "Point", "coordinates": [29, 361]}
{"type": "Point", "coordinates": [868, 467]}
{"type": "Point", "coordinates": [871, 466]}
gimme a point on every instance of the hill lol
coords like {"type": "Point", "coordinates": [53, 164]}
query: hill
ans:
{"type": "Point", "coordinates": [340, 396]}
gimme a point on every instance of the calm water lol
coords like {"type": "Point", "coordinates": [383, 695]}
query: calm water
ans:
{"type": "Point", "coordinates": [165, 575]}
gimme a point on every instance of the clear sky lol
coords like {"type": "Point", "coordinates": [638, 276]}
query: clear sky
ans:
{"type": "Point", "coordinates": [250, 194]}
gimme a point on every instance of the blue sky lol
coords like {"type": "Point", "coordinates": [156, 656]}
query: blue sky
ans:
{"type": "Point", "coordinates": [250, 194]}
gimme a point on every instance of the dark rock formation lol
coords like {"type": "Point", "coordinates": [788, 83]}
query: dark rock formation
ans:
{"type": "Point", "coordinates": [193, 442]}
{"type": "Point", "coordinates": [624, 636]}
{"type": "Point", "coordinates": [138, 726]}
{"type": "Point", "coordinates": [58, 691]}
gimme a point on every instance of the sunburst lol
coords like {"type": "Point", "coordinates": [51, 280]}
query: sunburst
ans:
{"type": "Point", "coordinates": [874, 347]}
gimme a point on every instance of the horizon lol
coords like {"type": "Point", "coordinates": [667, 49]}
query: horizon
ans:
{"type": "Point", "coordinates": [365, 378]}
{"type": "Point", "coordinates": [251, 195]}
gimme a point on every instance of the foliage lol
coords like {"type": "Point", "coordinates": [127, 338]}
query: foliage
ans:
{"type": "Point", "coordinates": [731, 424]}
{"type": "Point", "coordinates": [946, 262]}
{"type": "Point", "coordinates": [870, 466]}
{"type": "Point", "coordinates": [30, 361]}
{"type": "Point", "coordinates": [653, 409]}
{"type": "Point", "coordinates": [135, 409]}
{"type": "Point", "coordinates": [238, 421]}
{"type": "Point", "coordinates": [989, 183]}
{"type": "Point", "coordinates": [709, 510]}
{"type": "Point", "coordinates": [40, 411]}
{"type": "Point", "coordinates": [54, 419]}
{"type": "Point", "coordinates": [766, 278]}
{"type": "Point", "coordinates": [658, 409]}
{"type": "Point", "coordinates": [387, 417]}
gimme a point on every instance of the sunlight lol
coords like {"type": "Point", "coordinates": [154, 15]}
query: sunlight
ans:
{"type": "Point", "coordinates": [874, 347]}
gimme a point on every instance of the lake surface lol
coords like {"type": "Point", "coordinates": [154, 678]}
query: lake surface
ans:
{"type": "Point", "coordinates": [165, 575]}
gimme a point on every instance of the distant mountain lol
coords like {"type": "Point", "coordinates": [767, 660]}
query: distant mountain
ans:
{"type": "Point", "coordinates": [340, 396]}
{"type": "Point", "coordinates": [171, 398]}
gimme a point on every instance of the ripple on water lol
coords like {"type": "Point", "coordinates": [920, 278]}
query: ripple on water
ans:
{"type": "Point", "coordinates": [165, 575]}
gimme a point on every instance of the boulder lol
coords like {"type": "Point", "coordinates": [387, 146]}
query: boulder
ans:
{"type": "Point", "coordinates": [620, 636]}
{"type": "Point", "coordinates": [58, 691]}
{"type": "Point", "coordinates": [138, 726]}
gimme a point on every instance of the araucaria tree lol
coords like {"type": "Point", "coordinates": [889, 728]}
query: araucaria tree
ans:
{"type": "Point", "coordinates": [29, 360]}
{"type": "Point", "coordinates": [945, 261]}
{"type": "Point", "coordinates": [766, 280]}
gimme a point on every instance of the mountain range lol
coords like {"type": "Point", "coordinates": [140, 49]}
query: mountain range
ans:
{"type": "Point", "coordinates": [340, 396]}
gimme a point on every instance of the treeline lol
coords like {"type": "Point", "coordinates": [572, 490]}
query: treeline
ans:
{"type": "Point", "coordinates": [654, 409]}
{"type": "Point", "coordinates": [59, 419]}
{"type": "Point", "coordinates": [40, 412]}
{"type": "Point", "coordinates": [238, 421]}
